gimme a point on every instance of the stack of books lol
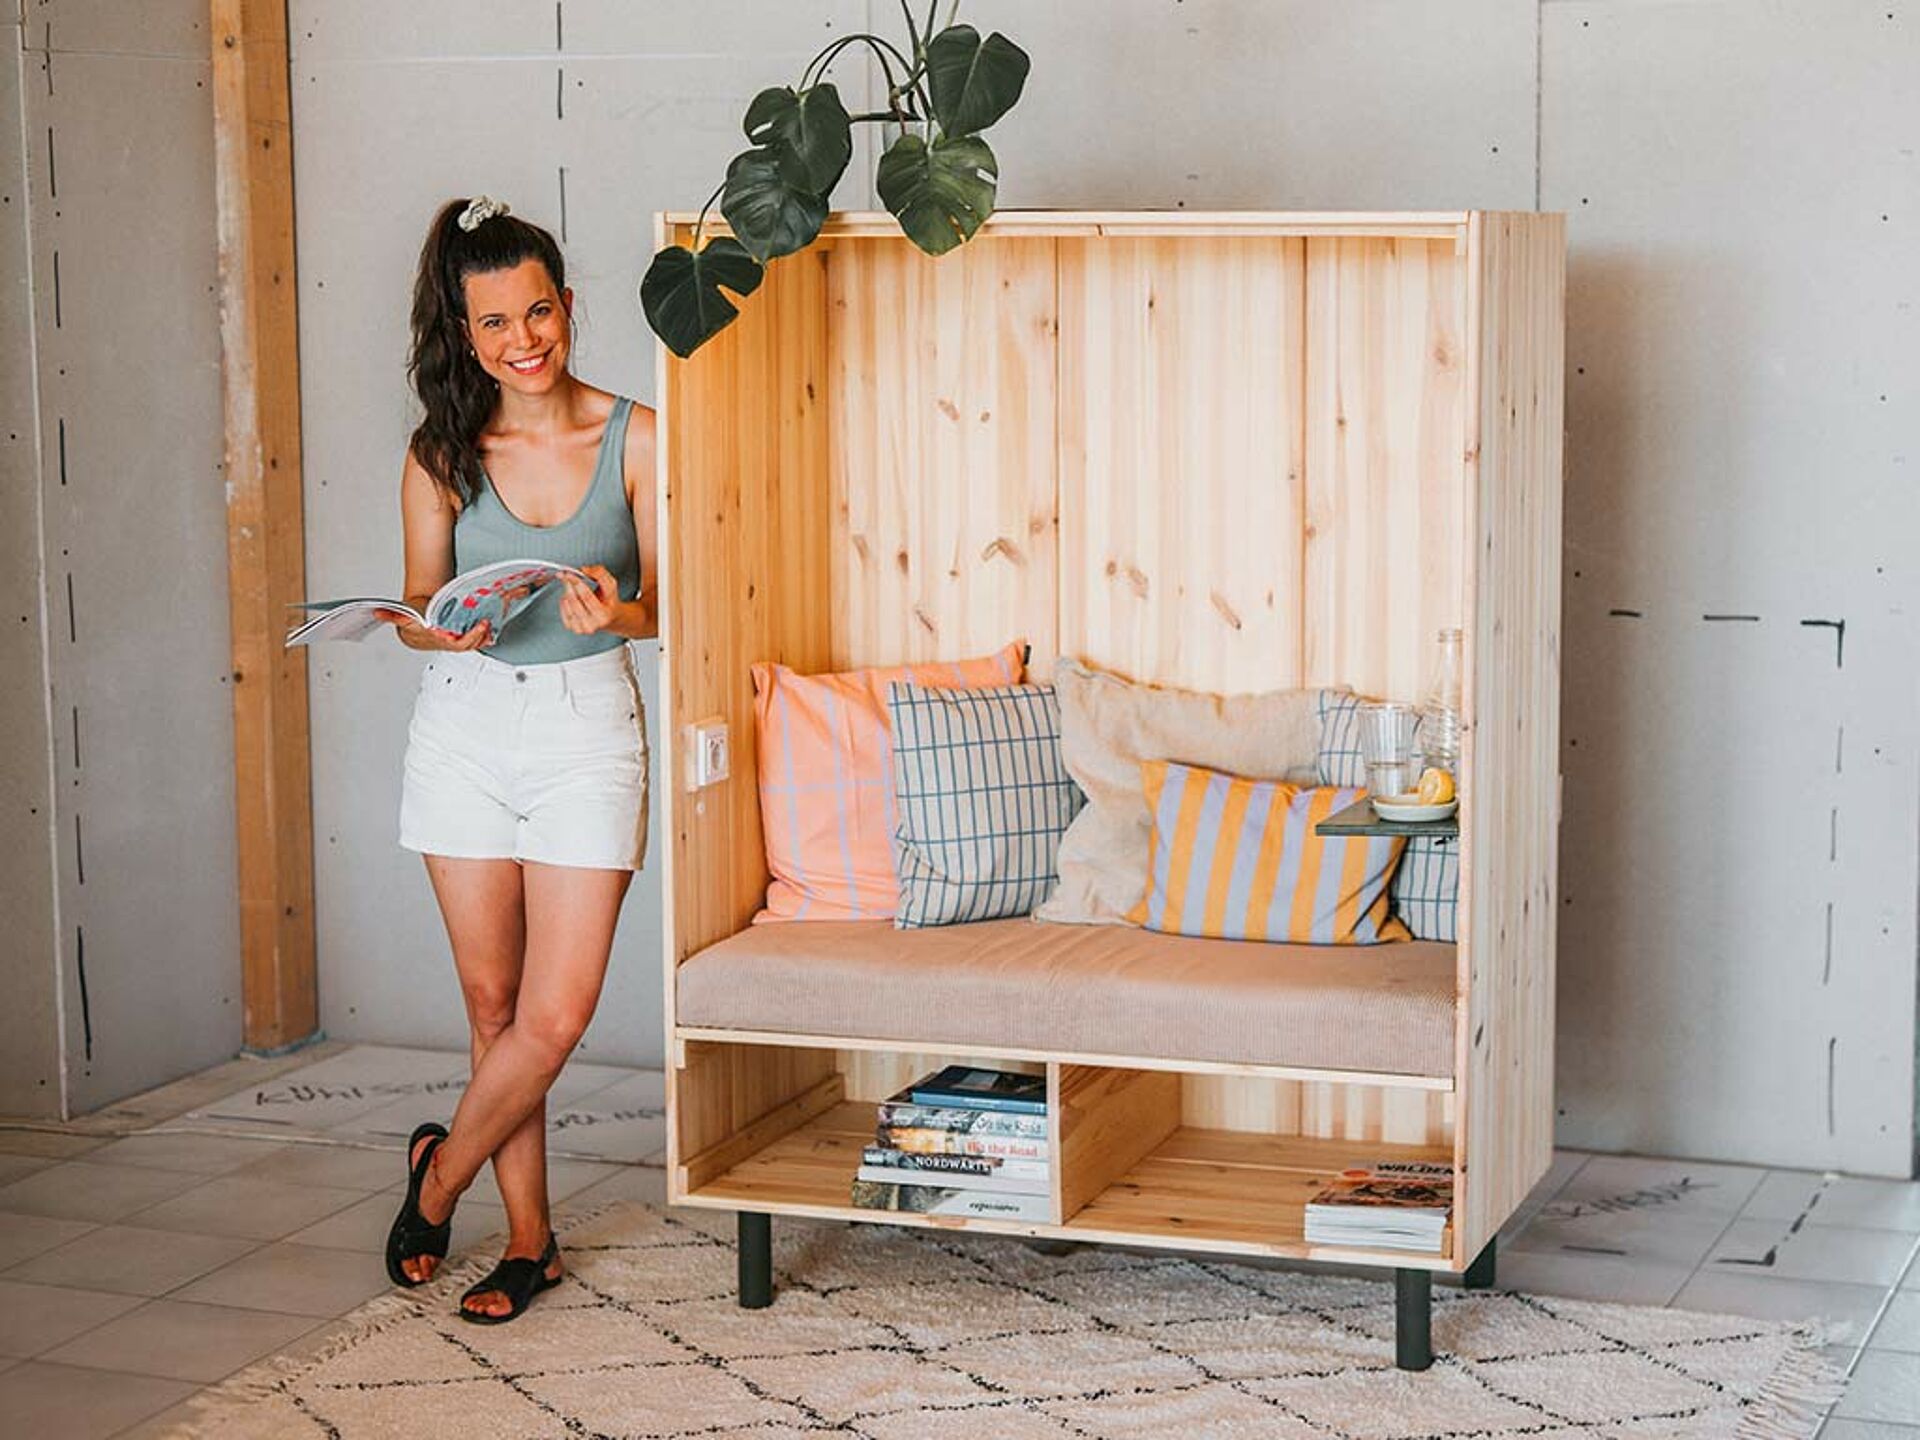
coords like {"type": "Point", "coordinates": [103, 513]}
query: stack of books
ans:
{"type": "Point", "coordinates": [1390, 1205]}
{"type": "Point", "coordinates": [967, 1141]}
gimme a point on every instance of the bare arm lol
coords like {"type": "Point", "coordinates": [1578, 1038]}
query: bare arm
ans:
{"type": "Point", "coordinates": [427, 516]}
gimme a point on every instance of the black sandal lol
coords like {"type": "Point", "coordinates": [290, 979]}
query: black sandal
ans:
{"type": "Point", "coordinates": [519, 1280]}
{"type": "Point", "coordinates": [412, 1236]}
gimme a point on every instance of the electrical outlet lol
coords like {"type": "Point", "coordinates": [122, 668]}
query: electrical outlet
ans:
{"type": "Point", "coordinates": [709, 754]}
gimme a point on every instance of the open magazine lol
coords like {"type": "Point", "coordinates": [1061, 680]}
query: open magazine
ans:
{"type": "Point", "coordinates": [494, 593]}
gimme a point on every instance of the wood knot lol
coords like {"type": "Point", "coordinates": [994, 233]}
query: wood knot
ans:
{"type": "Point", "coordinates": [1227, 612]}
{"type": "Point", "coordinates": [860, 547]}
{"type": "Point", "coordinates": [925, 620]}
{"type": "Point", "coordinates": [1137, 578]}
{"type": "Point", "coordinates": [1001, 545]}
{"type": "Point", "coordinates": [950, 410]}
{"type": "Point", "coordinates": [900, 559]}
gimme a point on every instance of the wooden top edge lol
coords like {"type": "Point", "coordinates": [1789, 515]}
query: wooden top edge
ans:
{"type": "Point", "coordinates": [863, 222]}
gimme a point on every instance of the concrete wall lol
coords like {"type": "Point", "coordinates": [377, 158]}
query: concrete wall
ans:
{"type": "Point", "coordinates": [1738, 971]}
{"type": "Point", "coordinates": [125, 934]}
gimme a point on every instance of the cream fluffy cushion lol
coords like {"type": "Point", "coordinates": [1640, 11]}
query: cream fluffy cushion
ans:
{"type": "Point", "coordinates": [1109, 725]}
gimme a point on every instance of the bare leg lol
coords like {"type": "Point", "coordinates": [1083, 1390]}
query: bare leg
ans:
{"type": "Point", "coordinates": [482, 904]}
{"type": "Point", "coordinates": [570, 918]}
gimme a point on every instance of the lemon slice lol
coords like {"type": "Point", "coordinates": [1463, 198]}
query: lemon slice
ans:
{"type": "Point", "coordinates": [1436, 787]}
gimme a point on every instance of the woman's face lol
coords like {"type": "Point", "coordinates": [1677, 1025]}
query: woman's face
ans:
{"type": "Point", "coordinates": [518, 326]}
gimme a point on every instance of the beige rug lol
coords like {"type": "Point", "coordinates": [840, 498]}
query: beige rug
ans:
{"type": "Point", "coordinates": [881, 1333]}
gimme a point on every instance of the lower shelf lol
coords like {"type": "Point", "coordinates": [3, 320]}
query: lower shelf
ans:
{"type": "Point", "coordinates": [1223, 1191]}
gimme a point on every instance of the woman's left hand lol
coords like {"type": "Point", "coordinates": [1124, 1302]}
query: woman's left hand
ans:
{"type": "Point", "coordinates": [588, 611]}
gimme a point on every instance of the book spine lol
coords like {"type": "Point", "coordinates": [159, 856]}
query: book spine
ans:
{"type": "Point", "coordinates": [936, 1200]}
{"type": "Point", "coordinates": [975, 1122]}
{"type": "Point", "coordinates": [928, 1141]}
{"type": "Point", "coordinates": [955, 1164]}
{"type": "Point", "coordinates": [997, 1184]}
{"type": "Point", "coordinates": [994, 1104]}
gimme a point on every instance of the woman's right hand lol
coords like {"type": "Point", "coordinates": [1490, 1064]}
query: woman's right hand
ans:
{"type": "Point", "coordinates": [416, 636]}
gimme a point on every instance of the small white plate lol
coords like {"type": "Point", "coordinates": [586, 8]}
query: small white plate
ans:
{"type": "Point", "coordinates": [1408, 809]}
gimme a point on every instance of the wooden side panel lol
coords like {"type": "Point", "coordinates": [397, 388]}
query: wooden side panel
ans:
{"type": "Point", "coordinates": [1108, 1121]}
{"type": "Point", "coordinates": [744, 526]}
{"type": "Point", "coordinates": [266, 552]}
{"type": "Point", "coordinates": [944, 542]}
{"type": "Point", "coordinates": [1309, 1108]}
{"type": "Point", "coordinates": [1386, 501]}
{"type": "Point", "coordinates": [1510, 781]}
{"type": "Point", "coordinates": [1180, 458]}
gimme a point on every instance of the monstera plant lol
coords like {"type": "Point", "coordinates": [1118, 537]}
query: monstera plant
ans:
{"type": "Point", "coordinates": [937, 175]}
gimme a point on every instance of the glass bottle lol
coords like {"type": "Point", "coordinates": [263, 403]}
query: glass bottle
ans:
{"type": "Point", "coordinates": [1439, 737]}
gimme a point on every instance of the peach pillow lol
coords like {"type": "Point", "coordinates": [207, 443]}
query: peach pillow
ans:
{"type": "Point", "coordinates": [826, 781]}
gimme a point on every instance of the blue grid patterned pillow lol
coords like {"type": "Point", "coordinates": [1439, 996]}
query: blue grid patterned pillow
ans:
{"type": "Point", "coordinates": [1426, 888]}
{"type": "Point", "coordinates": [982, 800]}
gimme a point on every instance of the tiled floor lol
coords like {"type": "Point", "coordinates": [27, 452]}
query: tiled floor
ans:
{"type": "Point", "coordinates": [137, 1268]}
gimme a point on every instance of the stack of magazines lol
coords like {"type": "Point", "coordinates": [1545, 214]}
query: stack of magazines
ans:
{"type": "Point", "coordinates": [967, 1141]}
{"type": "Point", "coordinates": [1391, 1205]}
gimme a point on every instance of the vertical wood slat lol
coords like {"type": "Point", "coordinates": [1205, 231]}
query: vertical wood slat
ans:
{"type": "Point", "coordinates": [1385, 559]}
{"type": "Point", "coordinates": [942, 394]}
{"type": "Point", "coordinates": [1180, 460]}
{"type": "Point", "coordinates": [1510, 773]}
{"type": "Point", "coordinates": [260, 374]}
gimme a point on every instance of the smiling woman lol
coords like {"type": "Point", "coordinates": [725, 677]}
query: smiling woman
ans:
{"type": "Point", "coordinates": [526, 770]}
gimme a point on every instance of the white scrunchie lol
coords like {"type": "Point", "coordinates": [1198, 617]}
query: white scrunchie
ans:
{"type": "Point", "coordinates": [480, 209]}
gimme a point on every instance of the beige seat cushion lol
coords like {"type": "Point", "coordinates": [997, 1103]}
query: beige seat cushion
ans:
{"type": "Point", "coordinates": [1108, 725]}
{"type": "Point", "coordinates": [1021, 985]}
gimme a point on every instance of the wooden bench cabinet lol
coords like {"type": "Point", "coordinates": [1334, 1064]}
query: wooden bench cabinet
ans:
{"type": "Point", "coordinates": [1226, 452]}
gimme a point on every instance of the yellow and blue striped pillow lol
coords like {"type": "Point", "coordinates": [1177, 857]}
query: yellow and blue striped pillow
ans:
{"type": "Point", "coordinates": [1238, 859]}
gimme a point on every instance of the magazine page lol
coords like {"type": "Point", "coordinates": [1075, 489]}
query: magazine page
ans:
{"type": "Point", "coordinates": [494, 593]}
{"type": "Point", "coordinates": [345, 620]}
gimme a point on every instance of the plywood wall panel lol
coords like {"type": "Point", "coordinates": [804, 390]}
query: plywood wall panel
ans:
{"type": "Point", "coordinates": [942, 394]}
{"type": "Point", "coordinates": [1180, 459]}
{"type": "Point", "coordinates": [1385, 505]}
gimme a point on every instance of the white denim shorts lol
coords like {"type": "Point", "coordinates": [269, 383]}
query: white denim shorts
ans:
{"type": "Point", "coordinates": [546, 763]}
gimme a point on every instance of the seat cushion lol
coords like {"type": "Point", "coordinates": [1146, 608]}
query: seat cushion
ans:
{"type": "Point", "coordinates": [1022, 985]}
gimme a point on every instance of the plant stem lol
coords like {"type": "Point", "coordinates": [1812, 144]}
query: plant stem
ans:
{"type": "Point", "coordinates": [701, 223]}
{"type": "Point", "coordinates": [914, 42]}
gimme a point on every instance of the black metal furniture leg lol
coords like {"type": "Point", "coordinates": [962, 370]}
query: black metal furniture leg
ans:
{"type": "Point", "coordinates": [1413, 1319]}
{"type": "Point", "coordinates": [1479, 1275]}
{"type": "Point", "coordinates": [756, 1260]}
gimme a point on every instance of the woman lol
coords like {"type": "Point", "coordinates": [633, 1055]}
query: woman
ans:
{"type": "Point", "coordinates": [526, 770]}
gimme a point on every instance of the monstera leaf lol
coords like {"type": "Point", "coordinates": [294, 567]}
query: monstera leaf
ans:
{"type": "Point", "coordinates": [808, 132]}
{"type": "Point", "coordinates": [682, 292]}
{"type": "Point", "coordinates": [940, 193]}
{"type": "Point", "coordinates": [974, 82]}
{"type": "Point", "coordinates": [769, 215]}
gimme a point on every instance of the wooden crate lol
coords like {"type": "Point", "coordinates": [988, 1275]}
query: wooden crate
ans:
{"type": "Point", "coordinates": [1228, 452]}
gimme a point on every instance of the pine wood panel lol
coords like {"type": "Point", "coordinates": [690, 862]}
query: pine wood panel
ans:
{"type": "Point", "coordinates": [1386, 504]}
{"type": "Point", "coordinates": [1181, 371]}
{"type": "Point", "coordinates": [1336, 1112]}
{"type": "Point", "coordinates": [266, 550]}
{"type": "Point", "coordinates": [726, 1102]}
{"type": "Point", "coordinates": [744, 524]}
{"type": "Point", "coordinates": [1511, 765]}
{"type": "Point", "coordinates": [944, 538]}
{"type": "Point", "coordinates": [1108, 1121]}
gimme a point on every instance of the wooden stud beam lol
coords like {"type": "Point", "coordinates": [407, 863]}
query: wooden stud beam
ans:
{"type": "Point", "coordinates": [266, 560]}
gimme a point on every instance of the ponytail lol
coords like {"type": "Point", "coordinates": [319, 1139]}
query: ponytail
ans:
{"type": "Point", "coordinates": [459, 396]}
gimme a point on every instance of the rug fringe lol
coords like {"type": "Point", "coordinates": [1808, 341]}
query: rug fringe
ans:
{"type": "Point", "coordinates": [1796, 1397]}
{"type": "Point", "coordinates": [262, 1380]}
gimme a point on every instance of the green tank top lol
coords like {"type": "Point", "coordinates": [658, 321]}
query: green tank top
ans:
{"type": "Point", "coordinates": [600, 532]}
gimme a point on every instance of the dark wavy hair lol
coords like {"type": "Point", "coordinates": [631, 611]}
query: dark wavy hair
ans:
{"type": "Point", "coordinates": [457, 394]}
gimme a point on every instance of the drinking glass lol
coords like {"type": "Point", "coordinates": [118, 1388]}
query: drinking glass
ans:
{"type": "Point", "coordinates": [1386, 744]}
